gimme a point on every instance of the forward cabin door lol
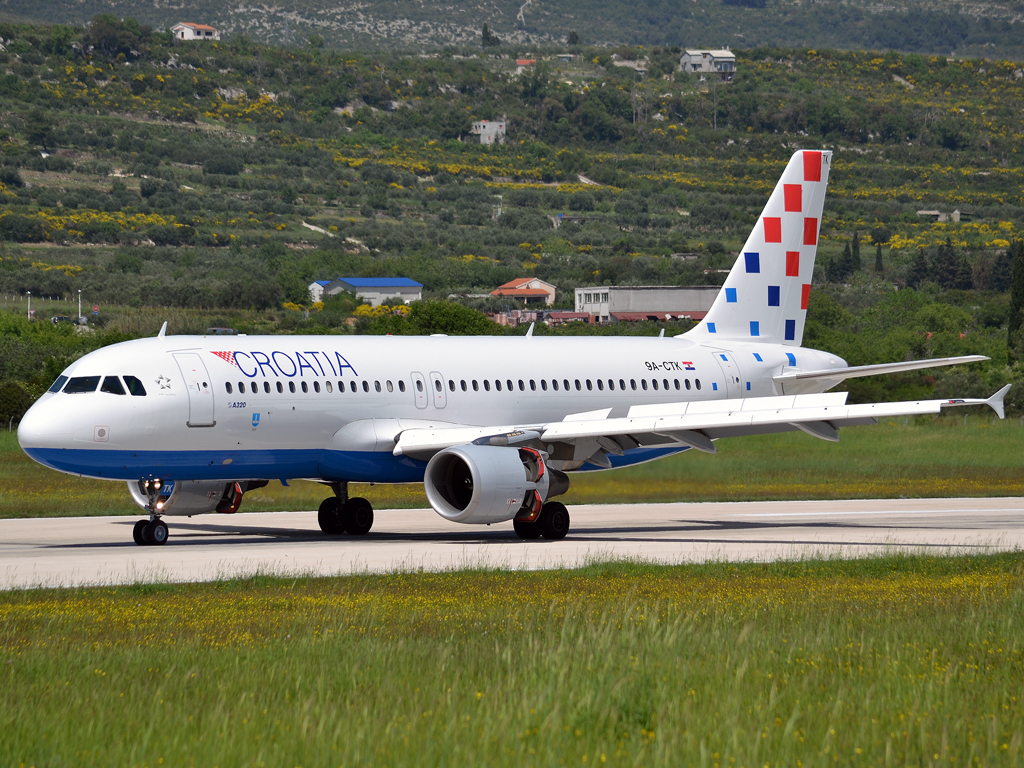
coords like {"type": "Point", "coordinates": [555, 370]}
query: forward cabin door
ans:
{"type": "Point", "coordinates": [200, 390]}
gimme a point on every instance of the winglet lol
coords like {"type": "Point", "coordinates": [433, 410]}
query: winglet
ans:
{"type": "Point", "coordinates": [529, 333]}
{"type": "Point", "coordinates": [163, 330]}
{"type": "Point", "coordinates": [996, 401]}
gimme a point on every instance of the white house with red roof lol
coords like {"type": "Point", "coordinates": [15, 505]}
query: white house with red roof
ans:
{"type": "Point", "coordinates": [186, 30]}
{"type": "Point", "coordinates": [528, 290]}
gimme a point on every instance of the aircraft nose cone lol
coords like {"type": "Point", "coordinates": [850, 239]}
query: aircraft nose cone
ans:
{"type": "Point", "coordinates": [43, 427]}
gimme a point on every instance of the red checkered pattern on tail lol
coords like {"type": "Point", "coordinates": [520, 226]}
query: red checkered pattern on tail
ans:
{"type": "Point", "coordinates": [228, 357]}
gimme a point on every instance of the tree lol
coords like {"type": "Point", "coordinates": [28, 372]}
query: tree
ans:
{"type": "Point", "coordinates": [315, 41]}
{"type": "Point", "coordinates": [38, 128]}
{"type": "Point", "coordinates": [918, 271]}
{"type": "Point", "coordinates": [946, 265]}
{"type": "Point", "coordinates": [488, 38]}
{"type": "Point", "coordinates": [1016, 316]}
{"type": "Point", "coordinates": [573, 38]}
{"type": "Point", "coordinates": [879, 267]}
{"type": "Point", "coordinates": [855, 263]}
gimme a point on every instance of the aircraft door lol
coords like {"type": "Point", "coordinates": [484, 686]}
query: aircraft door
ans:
{"type": "Point", "coordinates": [437, 389]}
{"type": "Point", "coordinates": [419, 389]}
{"type": "Point", "coordinates": [731, 371]}
{"type": "Point", "coordinates": [199, 387]}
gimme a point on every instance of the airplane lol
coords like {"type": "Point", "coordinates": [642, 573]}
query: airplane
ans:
{"type": "Point", "coordinates": [491, 426]}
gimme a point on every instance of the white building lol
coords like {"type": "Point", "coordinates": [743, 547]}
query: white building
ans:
{"type": "Point", "coordinates": [706, 62]}
{"type": "Point", "coordinates": [186, 30]}
{"type": "Point", "coordinates": [377, 290]}
{"type": "Point", "coordinates": [610, 303]}
{"type": "Point", "coordinates": [489, 131]}
{"type": "Point", "coordinates": [316, 290]}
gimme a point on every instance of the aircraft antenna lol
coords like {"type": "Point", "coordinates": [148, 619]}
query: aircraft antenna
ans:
{"type": "Point", "coordinates": [163, 330]}
{"type": "Point", "coordinates": [529, 332]}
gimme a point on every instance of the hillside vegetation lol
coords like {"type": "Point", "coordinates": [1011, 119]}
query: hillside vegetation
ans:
{"type": "Point", "coordinates": [970, 27]}
{"type": "Point", "coordinates": [208, 184]}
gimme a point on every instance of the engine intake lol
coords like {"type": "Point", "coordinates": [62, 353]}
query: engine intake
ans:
{"type": "Point", "coordinates": [482, 484]}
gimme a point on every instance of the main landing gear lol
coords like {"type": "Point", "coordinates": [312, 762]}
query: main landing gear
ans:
{"type": "Point", "coordinates": [339, 514]}
{"type": "Point", "coordinates": [153, 531]}
{"type": "Point", "coordinates": [552, 523]}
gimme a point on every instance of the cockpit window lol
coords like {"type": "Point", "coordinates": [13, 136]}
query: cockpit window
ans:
{"type": "Point", "coordinates": [80, 384]}
{"type": "Point", "coordinates": [112, 384]}
{"type": "Point", "coordinates": [135, 386]}
{"type": "Point", "coordinates": [60, 382]}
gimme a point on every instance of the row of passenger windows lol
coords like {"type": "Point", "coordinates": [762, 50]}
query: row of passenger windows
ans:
{"type": "Point", "coordinates": [111, 384]}
{"type": "Point", "coordinates": [555, 385]}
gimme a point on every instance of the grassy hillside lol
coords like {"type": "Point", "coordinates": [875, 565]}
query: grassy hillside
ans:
{"type": "Point", "coordinates": [972, 27]}
{"type": "Point", "coordinates": [210, 183]}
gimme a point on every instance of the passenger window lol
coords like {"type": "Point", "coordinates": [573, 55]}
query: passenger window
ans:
{"type": "Point", "coordinates": [366, 386]}
{"type": "Point", "coordinates": [578, 387]}
{"type": "Point", "coordinates": [554, 384]}
{"type": "Point", "coordinates": [533, 385]}
{"type": "Point", "coordinates": [280, 387]}
{"type": "Point", "coordinates": [241, 387]}
{"type": "Point", "coordinates": [522, 386]}
{"type": "Point", "coordinates": [565, 384]}
{"type": "Point", "coordinates": [80, 384]}
{"type": "Point", "coordinates": [676, 383]}
{"type": "Point", "coordinates": [316, 387]}
{"type": "Point", "coordinates": [687, 383]}
{"type": "Point", "coordinates": [305, 387]}
{"type": "Point", "coordinates": [341, 386]}
{"type": "Point", "coordinates": [544, 384]}
{"type": "Point", "coordinates": [475, 387]}
{"type": "Point", "coordinates": [697, 382]}
{"type": "Point", "coordinates": [401, 386]}
{"type": "Point", "coordinates": [451, 385]}
{"type": "Point", "coordinates": [419, 385]}
{"type": "Point", "coordinates": [437, 385]}
{"type": "Point", "coordinates": [60, 382]}
{"type": "Point", "coordinates": [227, 386]}
{"type": "Point", "coordinates": [590, 386]}
{"type": "Point", "coordinates": [113, 385]}
{"type": "Point", "coordinates": [600, 385]}
{"type": "Point", "coordinates": [291, 387]}
{"type": "Point", "coordinates": [497, 385]}
{"type": "Point", "coordinates": [330, 387]}
{"type": "Point", "coordinates": [643, 384]}
{"type": "Point", "coordinates": [665, 382]}
{"type": "Point", "coordinates": [632, 384]}
{"type": "Point", "coordinates": [376, 385]}
{"type": "Point", "coordinates": [266, 386]}
{"type": "Point", "coordinates": [391, 387]}
{"type": "Point", "coordinates": [487, 385]}
{"type": "Point", "coordinates": [252, 387]}
{"type": "Point", "coordinates": [654, 384]}
{"type": "Point", "coordinates": [509, 383]}
{"type": "Point", "coordinates": [611, 384]}
{"type": "Point", "coordinates": [463, 385]}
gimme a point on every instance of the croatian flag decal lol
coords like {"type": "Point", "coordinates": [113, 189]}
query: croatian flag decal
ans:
{"type": "Point", "coordinates": [228, 357]}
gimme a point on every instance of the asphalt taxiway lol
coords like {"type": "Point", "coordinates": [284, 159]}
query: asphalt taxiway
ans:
{"type": "Point", "coordinates": [100, 550]}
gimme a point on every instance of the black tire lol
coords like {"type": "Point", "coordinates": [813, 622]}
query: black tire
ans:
{"type": "Point", "coordinates": [138, 532]}
{"type": "Point", "coordinates": [553, 521]}
{"type": "Point", "coordinates": [157, 532]}
{"type": "Point", "coordinates": [358, 516]}
{"type": "Point", "coordinates": [329, 516]}
{"type": "Point", "coordinates": [525, 530]}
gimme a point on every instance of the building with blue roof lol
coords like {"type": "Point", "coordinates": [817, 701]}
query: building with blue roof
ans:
{"type": "Point", "coordinates": [372, 290]}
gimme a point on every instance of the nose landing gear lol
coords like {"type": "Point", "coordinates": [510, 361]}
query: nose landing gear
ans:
{"type": "Point", "coordinates": [153, 531]}
{"type": "Point", "coordinates": [339, 514]}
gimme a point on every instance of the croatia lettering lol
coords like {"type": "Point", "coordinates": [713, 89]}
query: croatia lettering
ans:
{"type": "Point", "coordinates": [278, 364]}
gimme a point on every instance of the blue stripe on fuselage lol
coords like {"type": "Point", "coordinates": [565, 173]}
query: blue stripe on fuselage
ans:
{"type": "Point", "coordinates": [354, 466]}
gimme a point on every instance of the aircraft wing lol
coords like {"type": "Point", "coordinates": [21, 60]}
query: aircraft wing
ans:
{"type": "Point", "coordinates": [690, 424]}
{"type": "Point", "coordinates": [836, 375]}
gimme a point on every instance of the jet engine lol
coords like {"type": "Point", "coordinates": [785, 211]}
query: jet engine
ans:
{"type": "Point", "coordinates": [196, 497]}
{"type": "Point", "coordinates": [485, 484]}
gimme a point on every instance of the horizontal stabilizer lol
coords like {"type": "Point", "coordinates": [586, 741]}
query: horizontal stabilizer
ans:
{"type": "Point", "coordinates": [837, 375]}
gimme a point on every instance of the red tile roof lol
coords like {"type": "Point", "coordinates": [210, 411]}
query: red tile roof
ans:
{"type": "Point", "coordinates": [196, 26]}
{"type": "Point", "coordinates": [520, 292]}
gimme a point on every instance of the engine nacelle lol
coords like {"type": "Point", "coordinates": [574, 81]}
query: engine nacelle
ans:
{"type": "Point", "coordinates": [486, 484]}
{"type": "Point", "coordinates": [196, 497]}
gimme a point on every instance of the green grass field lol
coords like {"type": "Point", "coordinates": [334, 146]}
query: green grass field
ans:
{"type": "Point", "coordinates": [895, 661]}
{"type": "Point", "coordinates": [929, 457]}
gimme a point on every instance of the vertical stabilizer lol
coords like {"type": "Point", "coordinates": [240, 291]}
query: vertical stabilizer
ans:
{"type": "Point", "coordinates": [765, 295]}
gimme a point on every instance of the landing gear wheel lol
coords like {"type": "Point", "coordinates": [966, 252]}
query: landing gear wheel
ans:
{"type": "Point", "coordinates": [139, 532]}
{"type": "Point", "coordinates": [329, 516]}
{"type": "Point", "coordinates": [553, 521]}
{"type": "Point", "coordinates": [358, 516]}
{"type": "Point", "coordinates": [525, 530]}
{"type": "Point", "coordinates": [157, 532]}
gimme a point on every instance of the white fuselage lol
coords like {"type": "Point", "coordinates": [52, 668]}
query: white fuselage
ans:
{"type": "Point", "coordinates": [329, 407]}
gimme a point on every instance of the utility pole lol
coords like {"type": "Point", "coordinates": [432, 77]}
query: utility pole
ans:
{"type": "Point", "coordinates": [79, 318]}
{"type": "Point", "coordinates": [29, 315]}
